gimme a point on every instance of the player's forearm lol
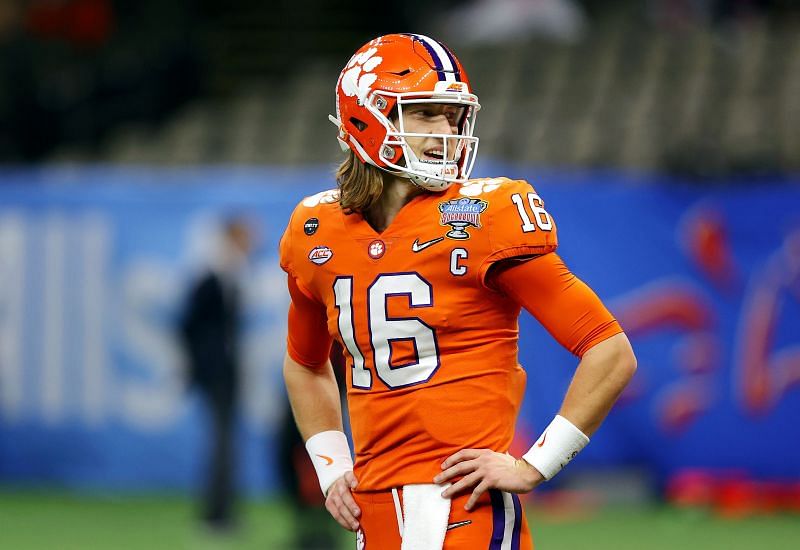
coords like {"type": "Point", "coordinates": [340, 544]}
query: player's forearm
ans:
{"type": "Point", "coordinates": [602, 374]}
{"type": "Point", "coordinates": [314, 396]}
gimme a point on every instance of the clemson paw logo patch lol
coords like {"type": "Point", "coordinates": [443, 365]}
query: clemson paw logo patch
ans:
{"type": "Point", "coordinates": [376, 249]}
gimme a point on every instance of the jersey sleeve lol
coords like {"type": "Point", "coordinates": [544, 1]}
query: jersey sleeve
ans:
{"type": "Point", "coordinates": [570, 311]}
{"type": "Point", "coordinates": [518, 225]}
{"type": "Point", "coordinates": [307, 340]}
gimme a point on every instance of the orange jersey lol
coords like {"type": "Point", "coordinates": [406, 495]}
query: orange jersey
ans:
{"type": "Point", "coordinates": [431, 351]}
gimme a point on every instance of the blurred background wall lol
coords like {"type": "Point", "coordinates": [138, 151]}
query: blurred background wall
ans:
{"type": "Point", "coordinates": [663, 134]}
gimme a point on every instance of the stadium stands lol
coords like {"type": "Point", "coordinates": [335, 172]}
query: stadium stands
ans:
{"type": "Point", "coordinates": [697, 101]}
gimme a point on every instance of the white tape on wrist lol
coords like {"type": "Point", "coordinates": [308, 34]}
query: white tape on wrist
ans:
{"type": "Point", "coordinates": [556, 447]}
{"type": "Point", "coordinates": [330, 455]}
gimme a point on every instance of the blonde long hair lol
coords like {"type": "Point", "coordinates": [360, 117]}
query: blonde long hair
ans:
{"type": "Point", "coordinates": [360, 184]}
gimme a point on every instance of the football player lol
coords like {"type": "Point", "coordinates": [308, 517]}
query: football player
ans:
{"type": "Point", "coordinates": [420, 273]}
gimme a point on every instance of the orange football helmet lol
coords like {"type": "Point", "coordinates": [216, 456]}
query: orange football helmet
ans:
{"type": "Point", "coordinates": [396, 70]}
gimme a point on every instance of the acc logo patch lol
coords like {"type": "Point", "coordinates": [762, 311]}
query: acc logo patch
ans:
{"type": "Point", "coordinates": [460, 214]}
{"type": "Point", "coordinates": [361, 540]}
{"type": "Point", "coordinates": [453, 87]}
{"type": "Point", "coordinates": [320, 254]}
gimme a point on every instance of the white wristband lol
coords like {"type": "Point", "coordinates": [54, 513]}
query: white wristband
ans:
{"type": "Point", "coordinates": [559, 444]}
{"type": "Point", "coordinates": [330, 455]}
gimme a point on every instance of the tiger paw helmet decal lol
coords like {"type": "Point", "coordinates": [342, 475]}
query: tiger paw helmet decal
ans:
{"type": "Point", "coordinates": [359, 76]}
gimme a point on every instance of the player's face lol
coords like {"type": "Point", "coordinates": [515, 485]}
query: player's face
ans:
{"type": "Point", "coordinates": [432, 118]}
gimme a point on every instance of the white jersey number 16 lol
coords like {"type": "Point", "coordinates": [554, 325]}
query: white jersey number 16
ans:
{"type": "Point", "coordinates": [384, 330]}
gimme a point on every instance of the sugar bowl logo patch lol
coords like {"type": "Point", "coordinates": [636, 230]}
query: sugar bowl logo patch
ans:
{"type": "Point", "coordinates": [460, 214]}
{"type": "Point", "coordinates": [320, 254]}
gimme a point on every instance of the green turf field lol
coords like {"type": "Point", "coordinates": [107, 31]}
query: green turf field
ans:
{"type": "Point", "coordinates": [47, 520]}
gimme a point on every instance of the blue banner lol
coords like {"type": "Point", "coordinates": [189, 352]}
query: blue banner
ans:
{"type": "Point", "coordinates": [95, 263]}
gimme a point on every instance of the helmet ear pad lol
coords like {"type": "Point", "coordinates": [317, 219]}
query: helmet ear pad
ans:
{"type": "Point", "coordinates": [359, 124]}
{"type": "Point", "coordinates": [366, 135]}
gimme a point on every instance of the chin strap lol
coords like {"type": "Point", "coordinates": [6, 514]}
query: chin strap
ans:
{"type": "Point", "coordinates": [428, 181]}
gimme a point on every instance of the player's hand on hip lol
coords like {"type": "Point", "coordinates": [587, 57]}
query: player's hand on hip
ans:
{"type": "Point", "coordinates": [341, 504]}
{"type": "Point", "coordinates": [484, 469]}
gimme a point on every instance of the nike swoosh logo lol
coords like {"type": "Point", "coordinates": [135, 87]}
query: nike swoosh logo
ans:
{"type": "Point", "coordinates": [544, 437]}
{"type": "Point", "coordinates": [419, 247]}
{"type": "Point", "coordinates": [458, 524]}
{"type": "Point", "coordinates": [327, 459]}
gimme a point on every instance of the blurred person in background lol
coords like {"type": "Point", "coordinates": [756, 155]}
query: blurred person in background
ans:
{"type": "Point", "coordinates": [210, 331]}
{"type": "Point", "coordinates": [420, 274]}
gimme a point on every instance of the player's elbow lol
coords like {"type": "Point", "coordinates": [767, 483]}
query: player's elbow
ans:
{"type": "Point", "coordinates": [624, 363]}
{"type": "Point", "coordinates": [292, 368]}
{"type": "Point", "coordinates": [617, 359]}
